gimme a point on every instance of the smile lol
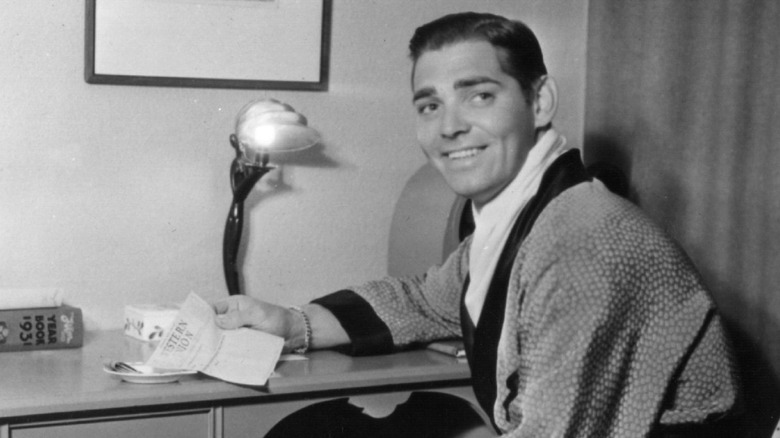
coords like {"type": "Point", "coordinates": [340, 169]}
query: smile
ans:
{"type": "Point", "coordinates": [464, 153]}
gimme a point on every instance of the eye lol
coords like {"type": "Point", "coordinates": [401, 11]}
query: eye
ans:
{"type": "Point", "coordinates": [427, 108]}
{"type": "Point", "coordinates": [482, 97]}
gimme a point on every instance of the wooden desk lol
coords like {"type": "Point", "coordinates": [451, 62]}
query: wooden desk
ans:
{"type": "Point", "coordinates": [66, 393]}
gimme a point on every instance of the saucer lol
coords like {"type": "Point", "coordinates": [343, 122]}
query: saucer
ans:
{"type": "Point", "coordinates": [146, 374]}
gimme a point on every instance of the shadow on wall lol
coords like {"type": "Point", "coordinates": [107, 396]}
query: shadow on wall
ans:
{"type": "Point", "coordinates": [610, 163]}
{"type": "Point", "coordinates": [761, 388]}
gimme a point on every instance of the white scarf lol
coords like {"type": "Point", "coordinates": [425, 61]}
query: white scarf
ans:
{"type": "Point", "coordinates": [495, 219]}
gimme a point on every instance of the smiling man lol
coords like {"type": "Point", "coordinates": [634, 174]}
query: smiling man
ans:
{"type": "Point", "coordinates": [580, 317]}
{"type": "Point", "coordinates": [474, 123]}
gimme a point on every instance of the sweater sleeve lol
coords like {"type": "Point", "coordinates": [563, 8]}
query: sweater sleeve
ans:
{"type": "Point", "coordinates": [368, 334]}
{"type": "Point", "coordinates": [396, 312]}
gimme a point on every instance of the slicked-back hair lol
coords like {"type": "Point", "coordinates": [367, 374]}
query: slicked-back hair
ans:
{"type": "Point", "coordinates": [520, 55]}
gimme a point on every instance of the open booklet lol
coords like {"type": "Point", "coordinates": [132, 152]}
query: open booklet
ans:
{"type": "Point", "coordinates": [195, 342]}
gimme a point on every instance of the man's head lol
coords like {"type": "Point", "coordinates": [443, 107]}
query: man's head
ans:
{"type": "Point", "coordinates": [480, 103]}
{"type": "Point", "coordinates": [520, 55]}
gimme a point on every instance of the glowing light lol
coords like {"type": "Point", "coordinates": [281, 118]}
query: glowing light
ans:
{"type": "Point", "coordinates": [264, 136]}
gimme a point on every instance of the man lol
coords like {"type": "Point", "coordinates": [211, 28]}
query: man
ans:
{"type": "Point", "coordinates": [580, 317]}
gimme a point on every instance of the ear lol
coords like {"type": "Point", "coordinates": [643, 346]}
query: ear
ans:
{"type": "Point", "coordinates": [546, 102]}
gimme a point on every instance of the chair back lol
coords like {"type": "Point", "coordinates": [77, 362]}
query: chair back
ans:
{"type": "Point", "coordinates": [425, 225]}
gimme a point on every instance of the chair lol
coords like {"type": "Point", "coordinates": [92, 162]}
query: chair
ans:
{"type": "Point", "coordinates": [426, 225]}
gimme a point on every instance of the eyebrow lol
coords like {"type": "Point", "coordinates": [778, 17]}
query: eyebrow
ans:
{"type": "Point", "coordinates": [461, 83]}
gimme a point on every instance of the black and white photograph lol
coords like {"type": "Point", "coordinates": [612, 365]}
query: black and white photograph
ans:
{"type": "Point", "coordinates": [390, 219]}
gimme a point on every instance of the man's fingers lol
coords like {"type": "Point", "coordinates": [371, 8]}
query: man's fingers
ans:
{"type": "Point", "coordinates": [230, 304]}
{"type": "Point", "coordinates": [240, 311]}
{"type": "Point", "coordinates": [221, 306]}
{"type": "Point", "coordinates": [230, 320]}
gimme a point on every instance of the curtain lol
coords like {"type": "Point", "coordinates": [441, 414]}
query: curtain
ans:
{"type": "Point", "coordinates": [684, 96]}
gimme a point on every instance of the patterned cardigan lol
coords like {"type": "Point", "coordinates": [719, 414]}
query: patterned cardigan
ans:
{"type": "Point", "coordinates": [607, 329]}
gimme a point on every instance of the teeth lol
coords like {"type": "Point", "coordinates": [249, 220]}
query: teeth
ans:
{"type": "Point", "coordinates": [464, 153]}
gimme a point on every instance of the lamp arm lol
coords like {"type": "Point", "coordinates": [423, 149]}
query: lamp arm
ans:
{"type": "Point", "coordinates": [242, 180]}
{"type": "Point", "coordinates": [230, 244]}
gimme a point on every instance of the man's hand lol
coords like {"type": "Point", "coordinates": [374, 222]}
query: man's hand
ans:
{"type": "Point", "coordinates": [244, 311]}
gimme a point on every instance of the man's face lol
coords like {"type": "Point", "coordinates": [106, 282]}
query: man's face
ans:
{"type": "Point", "coordinates": [474, 123]}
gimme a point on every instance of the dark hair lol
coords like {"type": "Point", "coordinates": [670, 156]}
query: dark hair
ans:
{"type": "Point", "coordinates": [520, 55]}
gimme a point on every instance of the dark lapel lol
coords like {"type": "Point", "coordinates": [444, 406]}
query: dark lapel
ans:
{"type": "Point", "coordinates": [482, 341]}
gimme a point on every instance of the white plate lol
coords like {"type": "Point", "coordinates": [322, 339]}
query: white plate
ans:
{"type": "Point", "coordinates": [147, 375]}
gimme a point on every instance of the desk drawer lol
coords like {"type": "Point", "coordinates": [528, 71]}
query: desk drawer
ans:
{"type": "Point", "coordinates": [253, 421]}
{"type": "Point", "coordinates": [190, 424]}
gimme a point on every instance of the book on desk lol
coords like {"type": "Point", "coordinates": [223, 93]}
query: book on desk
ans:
{"type": "Point", "coordinates": [41, 328]}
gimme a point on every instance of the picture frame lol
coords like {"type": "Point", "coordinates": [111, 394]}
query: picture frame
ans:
{"type": "Point", "coordinates": [243, 44]}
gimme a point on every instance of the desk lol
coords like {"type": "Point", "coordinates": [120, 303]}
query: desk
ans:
{"type": "Point", "coordinates": [65, 393]}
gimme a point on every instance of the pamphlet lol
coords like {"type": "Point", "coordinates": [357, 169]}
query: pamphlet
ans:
{"type": "Point", "coordinates": [452, 347]}
{"type": "Point", "coordinates": [195, 342]}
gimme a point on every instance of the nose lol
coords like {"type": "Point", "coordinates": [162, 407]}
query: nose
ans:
{"type": "Point", "coordinates": [452, 123]}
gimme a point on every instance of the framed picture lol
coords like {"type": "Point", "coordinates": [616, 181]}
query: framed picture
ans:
{"type": "Point", "coordinates": [254, 44]}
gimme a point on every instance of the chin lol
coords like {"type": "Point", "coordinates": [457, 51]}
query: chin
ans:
{"type": "Point", "coordinates": [476, 194]}
{"type": "Point", "coordinates": [468, 185]}
{"type": "Point", "coordinates": [476, 184]}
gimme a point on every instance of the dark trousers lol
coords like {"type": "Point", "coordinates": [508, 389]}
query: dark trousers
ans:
{"type": "Point", "coordinates": [425, 414]}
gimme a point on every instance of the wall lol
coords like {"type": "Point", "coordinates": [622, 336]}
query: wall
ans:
{"type": "Point", "coordinates": [118, 194]}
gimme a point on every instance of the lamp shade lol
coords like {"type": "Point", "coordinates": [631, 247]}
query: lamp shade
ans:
{"type": "Point", "coordinates": [268, 126]}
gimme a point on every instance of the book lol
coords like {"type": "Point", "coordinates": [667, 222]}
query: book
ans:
{"type": "Point", "coordinates": [41, 328]}
{"type": "Point", "coordinates": [452, 347]}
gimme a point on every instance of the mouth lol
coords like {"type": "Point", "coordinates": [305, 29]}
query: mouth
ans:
{"type": "Point", "coordinates": [464, 153]}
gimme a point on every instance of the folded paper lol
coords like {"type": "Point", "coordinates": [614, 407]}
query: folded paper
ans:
{"type": "Point", "coordinates": [30, 298]}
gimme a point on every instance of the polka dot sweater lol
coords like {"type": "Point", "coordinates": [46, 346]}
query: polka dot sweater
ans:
{"type": "Point", "coordinates": [608, 330]}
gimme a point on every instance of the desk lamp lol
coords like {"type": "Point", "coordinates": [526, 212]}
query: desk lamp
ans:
{"type": "Point", "coordinates": [263, 128]}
